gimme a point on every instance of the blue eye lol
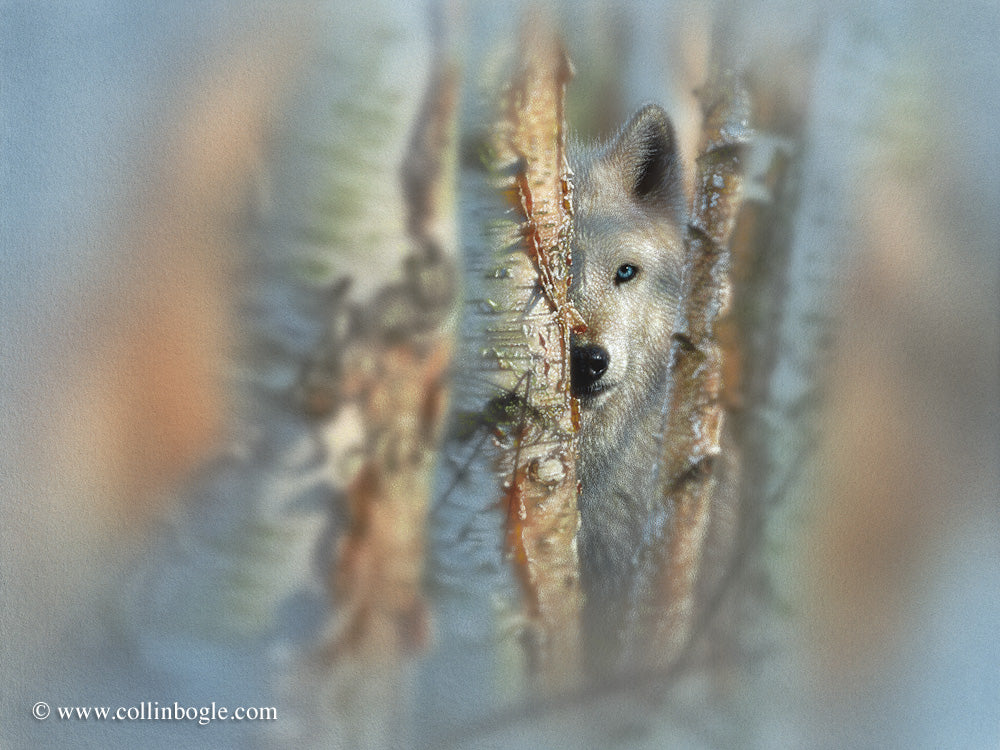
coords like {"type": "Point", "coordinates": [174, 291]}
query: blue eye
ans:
{"type": "Point", "coordinates": [625, 272]}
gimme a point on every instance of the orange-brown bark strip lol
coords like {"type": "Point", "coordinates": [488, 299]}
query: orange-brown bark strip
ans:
{"type": "Point", "coordinates": [377, 573]}
{"type": "Point", "coordinates": [694, 427]}
{"type": "Point", "coordinates": [541, 490]}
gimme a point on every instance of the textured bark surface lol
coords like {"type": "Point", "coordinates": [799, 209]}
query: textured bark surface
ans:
{"type": "Point", "coordinates": [541, 487]}
{"type": "Point", "coordinates": [692, 440]}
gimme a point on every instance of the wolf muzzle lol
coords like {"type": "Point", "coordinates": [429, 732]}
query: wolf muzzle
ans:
{"type": "Point", "coordinates": [587, 366]}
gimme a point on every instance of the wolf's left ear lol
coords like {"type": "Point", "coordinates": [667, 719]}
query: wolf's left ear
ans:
{"type": "Point", "coordinates": [645, 152]}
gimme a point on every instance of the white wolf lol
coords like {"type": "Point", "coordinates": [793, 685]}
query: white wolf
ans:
{"type": "Point", "coordinates": [628, 254]}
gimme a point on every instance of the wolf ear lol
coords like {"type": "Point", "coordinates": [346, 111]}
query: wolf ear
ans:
{"type": "Point", "coordinates": [645, 153]}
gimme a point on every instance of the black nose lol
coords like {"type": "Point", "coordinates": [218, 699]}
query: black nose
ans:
{"type": "Point", "coordinates": [589, 363]}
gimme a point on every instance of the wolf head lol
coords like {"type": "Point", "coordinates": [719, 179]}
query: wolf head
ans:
{"type": "Point", "coordinates": [628, 255]}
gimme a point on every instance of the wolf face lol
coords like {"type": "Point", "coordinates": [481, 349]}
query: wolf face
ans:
{"type": "Point", "coordinates": [627, 264]}
{"type": "Point", "coordinates": [628, 256]}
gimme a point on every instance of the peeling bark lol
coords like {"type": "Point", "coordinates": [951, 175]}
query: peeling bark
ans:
{"type": "Point", "coordinates": [541, 487]}
{"type": "Point", "coordinates": [692, 439]}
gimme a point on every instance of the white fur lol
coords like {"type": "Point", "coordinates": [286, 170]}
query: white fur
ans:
{"type": "Point", "coordinates": [628, 200]}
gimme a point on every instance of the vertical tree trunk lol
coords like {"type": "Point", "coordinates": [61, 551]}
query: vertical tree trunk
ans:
{"type": "Point", "coordinates": [532, 339]}
{"type": "Point", "coordinates": [692, 439]}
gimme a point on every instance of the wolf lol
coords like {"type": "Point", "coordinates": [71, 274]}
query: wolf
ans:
{"type": "Point", "coordinates": [629, 210]}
